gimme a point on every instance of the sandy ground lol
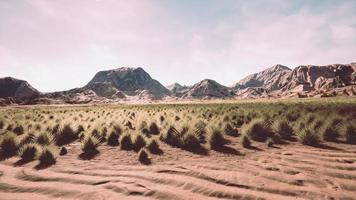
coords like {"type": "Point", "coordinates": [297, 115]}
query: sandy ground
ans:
{"type": "Point", "coordinates": [290, 171]}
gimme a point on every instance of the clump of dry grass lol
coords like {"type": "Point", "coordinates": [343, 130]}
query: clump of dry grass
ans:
{"type": "Point", "coordinates": [47, 156]}
{"type": "Point", "coordinates": [139, 142]}
{"type": "Point", "coordinates": [153, 146]}
{"type": "Point", "coordinates": [215, 138]}
{"type": "Point", "coordinates": [245, 141]}
{"type": "Point", "coordinates": [349, 132]}
{"type": "Point", "coordinates": [143, 157]}
{"type": "Point", "coordinates": [283, 129]}
{"type": "Point", "coordinates": [256, 130]}
{"type": "Point", "coordinates": [126, 142]}
{"type": "Point", "coordinates": [29, 151]}
{"type": "Point", "coordinates": [308, 137]}
{"type": "Point", "coordinates": [66, 135]}
{"type": "Point", "coordinates": [9, 144]}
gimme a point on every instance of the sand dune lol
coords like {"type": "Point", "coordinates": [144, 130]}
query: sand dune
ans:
{"type": "Point", "coordinates": [290, 171]}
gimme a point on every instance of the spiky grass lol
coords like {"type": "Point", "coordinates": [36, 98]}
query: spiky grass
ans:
{"type": "Point", "coordinates": [9, 144]}
{"type": "Point", "coordinates": [90, 144]}
{"type": "Point", "coordinates": [307, 136]}
{"type": "Point", "coordinates": [245, 141]}
{"type": "Point", "coordinates": [349, 132]}
{"type": "Point", "coordinates": [256, 130]}
{"type": "Point", "coordinates": [29, 151]}
{"type": "Point", "coordinates": [283, 129]}
{"type": "Point", "coordinates": [66, 135]}
{"type": "Point", "coordinates": [48, 155]}
{"type": "Point", "coordinates": [215, 138]}
{"type": "Point", "coordinates": [126, 142]}
{"type": "Point", "coordinates": [143, 157]}
{"type": "Point", "coordinates": [153, 146]}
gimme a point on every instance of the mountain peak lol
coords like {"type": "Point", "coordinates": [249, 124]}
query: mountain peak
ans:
{"type": "Point", "coordinates": [130, 81]}
{"type": "Point", "coordinates": [280, 67]}
{"type": "Point", "coordinates": [208, 88]}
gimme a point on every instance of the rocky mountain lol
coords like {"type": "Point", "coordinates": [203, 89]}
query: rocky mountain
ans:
{"type": "Point", "coordinates": [123, 82]}
{"type": "Point", "coordinates": [16, 91]}
{"type": "Point", "coordinates": [303, 81]}
{"type": "Point", "coordinates": [134, 84]}
{"type": "Point", "coordinates": [208, 88]}
{"type": "Point", "coordinates": [177, 89]}
{"type": "Point", "coordinates": [270, 79]}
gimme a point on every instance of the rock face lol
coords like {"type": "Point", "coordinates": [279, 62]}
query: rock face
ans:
{"type": "Point", "coordinates": [16, 91]}
{"type": "Point", "coordinates": [270, 79]}
{"type": "Point", "coordinates": [177, 89]}
{"type": "Point", "coordinates": [208, 88]}
{"type": "Point", "coordinates": [311, 77]}
{"type": "Point", "coordinates": [122, 82]}
{"type": "Point", "coordinates": [303, 81]}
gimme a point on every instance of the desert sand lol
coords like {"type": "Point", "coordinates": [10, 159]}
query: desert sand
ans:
{"type": "Point", "coordinates": [289, 171]}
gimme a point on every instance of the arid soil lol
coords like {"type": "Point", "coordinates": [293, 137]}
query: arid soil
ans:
{"type": "Point", "coordinates": [288, 171]}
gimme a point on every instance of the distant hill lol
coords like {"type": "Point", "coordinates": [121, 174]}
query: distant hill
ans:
{"type": "Point", "coordinates": [208, 88]}
{"type": "Point", "coordinates": [14, 90]}
{"type": "Point", "coordinates": [177, 89]}
{"type": "Point", "coordinates": [135, 84]}
{"type": "Point", "coordinates": [126, 81]}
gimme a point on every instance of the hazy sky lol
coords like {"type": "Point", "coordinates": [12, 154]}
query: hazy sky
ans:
{"type": "Point", "coordinates": [61, 44]}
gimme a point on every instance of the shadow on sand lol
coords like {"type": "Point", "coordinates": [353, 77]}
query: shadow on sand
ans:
{"type": "Point", "coordinates": [88, 155]}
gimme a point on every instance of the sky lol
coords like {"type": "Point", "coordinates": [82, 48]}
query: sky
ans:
{"type": "Point", "coordinates": [60, 44]}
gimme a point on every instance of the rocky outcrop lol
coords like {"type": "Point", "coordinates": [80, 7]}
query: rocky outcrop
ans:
{"type": "Point", "coordinates": [207, 89]}
{"type": "Point", "coordinates": [270, 79]}
{"type": "Point", "coordinates": [309, 77]}
{"type": "Point", "coordinates": [15, 91]}
{"type": "Point", "coordinates": [303, 81]}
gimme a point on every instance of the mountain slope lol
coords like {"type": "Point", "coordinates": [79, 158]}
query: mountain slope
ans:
{"type": "Point", "coordinates": [270, 79]}
{"type": "Point", "coordinates": [310, 77]}
{"type": "Point", "coordinates": [208, 88]}
{"type": "Point", "coordinates": [16, 88]}
{"type": "Point", "coordinates": [128, 81]}
{"type": "Point", "coordinates": [304, 80]}
{"type": "Point", "coordinates": [177, 89]}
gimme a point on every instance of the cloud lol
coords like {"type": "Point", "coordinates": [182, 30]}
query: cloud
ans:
{"type": "Point", "coordinates": [185, 41]}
